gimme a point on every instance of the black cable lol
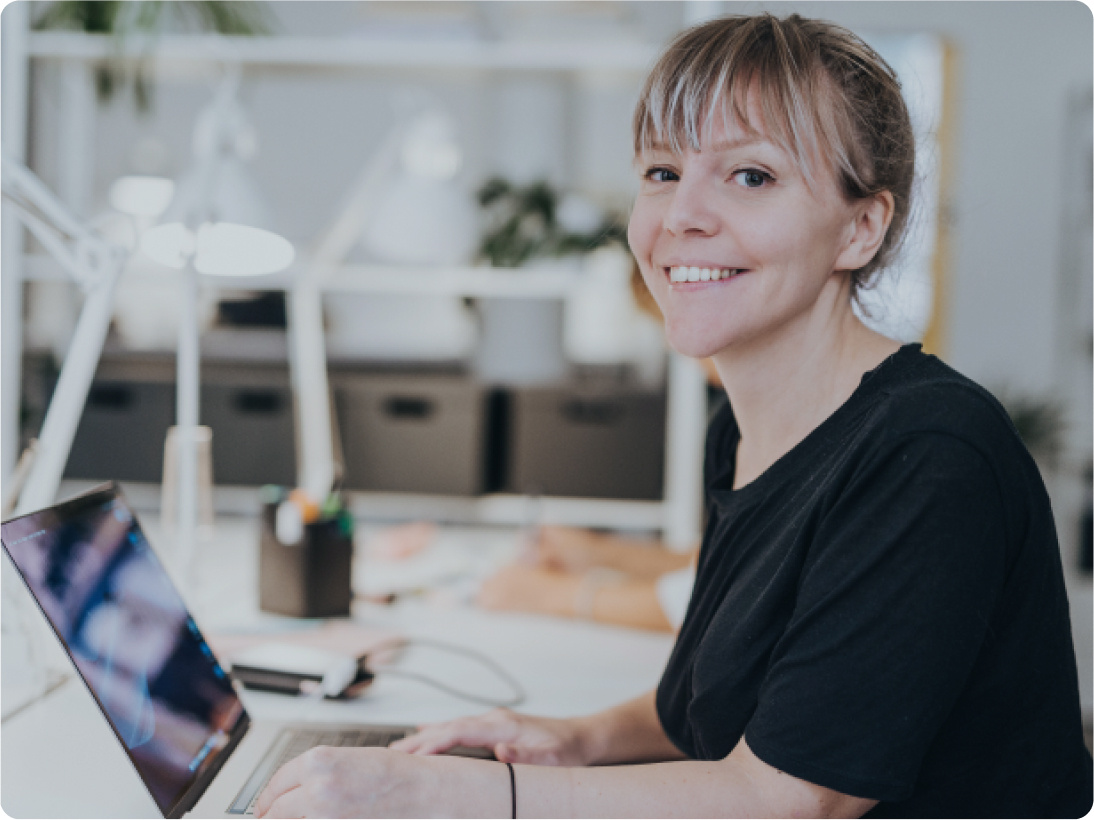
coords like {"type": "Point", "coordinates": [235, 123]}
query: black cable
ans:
{"type": "Point", "coordinates": [402, 643]}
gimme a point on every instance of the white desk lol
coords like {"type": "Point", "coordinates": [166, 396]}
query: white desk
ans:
{"type": "Point", "coordinates": [58, 757]}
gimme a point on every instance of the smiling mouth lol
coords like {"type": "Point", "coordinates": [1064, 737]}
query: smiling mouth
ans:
{"type": "Point", "coordinates": [684, 273]}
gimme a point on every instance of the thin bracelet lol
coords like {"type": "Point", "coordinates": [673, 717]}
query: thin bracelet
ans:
{"type": "Point", "coordinates": [513, 789]}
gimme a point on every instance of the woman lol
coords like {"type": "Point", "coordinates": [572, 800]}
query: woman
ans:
{"type": "Point", "coordinates": [879, 621]}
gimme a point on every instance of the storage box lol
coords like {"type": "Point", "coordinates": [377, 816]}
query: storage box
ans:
{"type": "Point", "coordinates": [122, 430]}
{"type": "Point", "coordinates": [587, 441]}
{"type": "Point", "coordinates": [413, 433]}
{"type": "Point", "coordinates": [252, 423]}
{"type": "Point", "coordinates": [249, 409]}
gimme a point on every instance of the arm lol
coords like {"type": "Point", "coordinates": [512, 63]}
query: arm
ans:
{"type": "Point", "coordinates": [741, 785]}
{"type": "Point", "coordinates": [628, 733]}
{"type": "Point", "coordinates": [624, 602]}
{"type": "Point", "coordinates": [572, 550]}
{"type": "Point", "coordinates": [379, 782]}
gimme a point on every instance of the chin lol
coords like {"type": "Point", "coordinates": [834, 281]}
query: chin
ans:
{"type": "Point", "coordinates": [696, 345]}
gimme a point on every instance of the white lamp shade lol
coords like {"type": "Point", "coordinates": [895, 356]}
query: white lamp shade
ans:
{"type": "Point", "coordinates": [232, 196]}
{"type": "Point", "coordinates": [430, 149]}
{"type": "Point", "coordinates": [169, 244]}
{"type": "Point", "coordinates": [141, 195]}
{"type": "Point", "coordinates": [227, 249]}
{"type": "Point", "coordinates": [219, 249]}
{"type": "Point", "coordinates": [424, 221]}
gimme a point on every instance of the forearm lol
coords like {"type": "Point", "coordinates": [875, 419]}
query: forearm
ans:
{"type": "Point", "coordinates": [672, 789]}
{"type": "Point", "coordinates": [638, 558]}
{"type": "Point", "coordinates": [630, 603]}
{"type": "Point", "coordinates": [739, 786]}
{"type": "Point", "coordinates": [628, 733]}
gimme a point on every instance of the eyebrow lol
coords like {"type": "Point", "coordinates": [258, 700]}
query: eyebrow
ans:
{"type": "Point", "coordinates": [743, 142]}
{"type": "Point", "coordinates": [721, 145]}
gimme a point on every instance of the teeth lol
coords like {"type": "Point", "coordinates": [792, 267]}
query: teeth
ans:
{"type": "Point", "coordinates": [693, 274]}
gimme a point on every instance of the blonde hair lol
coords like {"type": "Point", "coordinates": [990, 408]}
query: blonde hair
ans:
{"type": "Point", "coordinates": [824, 95]}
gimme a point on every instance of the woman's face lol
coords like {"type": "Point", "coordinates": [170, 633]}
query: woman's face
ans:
{"type": "Point", "coordinates": [739, 213]}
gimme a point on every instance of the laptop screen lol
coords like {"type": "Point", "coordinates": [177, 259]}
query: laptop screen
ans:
{"type": "Point", "coordinates": [130, 635]}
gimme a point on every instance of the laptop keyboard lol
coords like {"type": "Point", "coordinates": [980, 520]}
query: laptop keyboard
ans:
{"type": "Point", "coordinates": [292, 743]}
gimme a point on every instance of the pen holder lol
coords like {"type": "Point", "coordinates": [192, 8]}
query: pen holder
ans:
{"type": "Point", "coordinates": [309, 579]}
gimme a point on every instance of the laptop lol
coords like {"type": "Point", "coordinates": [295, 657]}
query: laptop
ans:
{"type": "Point", "coordinates": [171, 703]}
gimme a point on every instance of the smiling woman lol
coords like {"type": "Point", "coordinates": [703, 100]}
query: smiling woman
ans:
{"type": "Point", "coordinates": [879, 622]}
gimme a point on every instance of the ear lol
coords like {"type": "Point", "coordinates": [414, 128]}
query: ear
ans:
{"type": "Point", "coordinates": [871, 223]}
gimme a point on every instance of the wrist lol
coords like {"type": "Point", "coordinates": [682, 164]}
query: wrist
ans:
{"type": "Point", "coordinates": [464, 787]}
{"type": "Point", "coordinates": [590, 739]}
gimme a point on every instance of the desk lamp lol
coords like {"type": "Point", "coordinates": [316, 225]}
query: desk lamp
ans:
{"type": "Point", "coordinates": [209, 229]}
{"type": "Point", "coordinates": [95, 263]}
{"type": "Point", "coordinates": [405, 208]}
{"type": "Point", "coordinates": [317, 470]}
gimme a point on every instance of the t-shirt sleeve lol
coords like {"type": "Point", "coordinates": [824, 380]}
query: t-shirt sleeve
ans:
{"type": "Point", "coordinates": [894, 603]}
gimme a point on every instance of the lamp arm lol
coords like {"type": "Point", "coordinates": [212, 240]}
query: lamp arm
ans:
{"type": "Point", "coordinates": [51, 240]}
{"type": "Point", "coordinates": [97, 265]}
{"type": "Point", "coordinates": [358, 206]}
{"type": "Point", "coordinates": [90, 254]}
{"type": "Point", "coordinates": [70, 395]}
{"type": "Point", "coordinates": [307, 345]}
{"type": "Point", "coordinates": [20, 181]}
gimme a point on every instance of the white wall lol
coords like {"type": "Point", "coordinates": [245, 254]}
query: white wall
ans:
{"type": "Point", "coordinates": [1018, 63]}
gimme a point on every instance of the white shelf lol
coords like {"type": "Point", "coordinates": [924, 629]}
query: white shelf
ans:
{"type": "Point", "coordinates": [498, 509]}
{"type": "Point", "coordinates": [482, 281]}
{"type": "Point", "coordinates": [362, 52]}
{"type": "Point", "coordinates": [510, 510]}
{"type": "Point", "coordinates": [390, 279]}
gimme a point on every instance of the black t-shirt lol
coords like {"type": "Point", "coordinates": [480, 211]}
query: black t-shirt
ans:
{"type": "Point", "coordinates": [882, 612]}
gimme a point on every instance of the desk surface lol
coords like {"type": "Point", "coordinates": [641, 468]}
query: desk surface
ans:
{"type": "Point", "coordinates": [58, 757]}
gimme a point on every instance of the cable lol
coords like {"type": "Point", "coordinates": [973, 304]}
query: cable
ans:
{"type": "Point", "coordinates": [402, 643]}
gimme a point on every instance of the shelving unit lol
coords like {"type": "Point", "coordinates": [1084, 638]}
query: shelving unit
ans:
{"type": "Point", "coordinates": [360, 52]}
{"type": "Point", "coordinates": [677, 515]}
{"type": "Point", "coordinates": [408, 280]}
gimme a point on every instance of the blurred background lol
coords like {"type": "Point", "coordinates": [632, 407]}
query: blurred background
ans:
{"type": "Point", "coordinates": [456, 177]}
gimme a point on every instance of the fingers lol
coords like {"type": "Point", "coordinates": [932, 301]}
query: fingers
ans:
{"type": "Point", "coordinates": [565, 549]}
{"type": "Point", "coordinates": [286, 779]}
{"type": "Point", "coordinates": [288, 804]}
{"type": "Point", "coordinates": [533, 755]}
{"type": "Point", "coordinates": [484, 731]}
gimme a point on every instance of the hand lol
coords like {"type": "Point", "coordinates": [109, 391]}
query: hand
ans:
{"type": "Point", "coordinates": [346, 782]}
{"type": "Point", "coordinates": [529, 589]}
{"type": "Point", "coordinates": [566, 549]}
{"type": "Point", "coordinates": [513, 737]}
{"type": "Point", "coordinates": [576, 551]}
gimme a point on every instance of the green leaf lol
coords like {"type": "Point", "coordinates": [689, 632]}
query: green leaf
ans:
{"type": "Point", "coordinates": [124, 18]}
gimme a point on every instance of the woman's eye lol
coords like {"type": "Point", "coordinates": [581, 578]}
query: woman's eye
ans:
{"type": "Point", "coordinates": [660, 175]}
{"type": "Point", "coordinates": [752, 178]}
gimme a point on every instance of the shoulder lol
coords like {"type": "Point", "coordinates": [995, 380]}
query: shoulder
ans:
{"type": "Point", "coordinates": [923, 396]}
{"type": "Point", "coordinates": [924, 407]}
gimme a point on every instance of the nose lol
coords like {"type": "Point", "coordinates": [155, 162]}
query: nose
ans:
{"type": "Point", "coordinates": [691, 210]}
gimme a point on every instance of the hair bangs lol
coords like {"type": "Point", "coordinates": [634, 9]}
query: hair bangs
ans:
{"type": "Point", "coordinates": [694, 87]}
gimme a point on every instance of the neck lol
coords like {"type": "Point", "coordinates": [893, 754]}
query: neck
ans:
{"type": "Point", "coordinates": [784, 385]}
